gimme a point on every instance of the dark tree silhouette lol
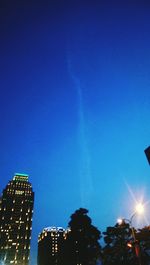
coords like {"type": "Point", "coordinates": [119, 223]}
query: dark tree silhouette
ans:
{"type": "Point", "coordinates": [117, 250]}
{"type": "Point", "coordinates": [82, 245]}
{"type": "Point", "coordinates": [143, 238]}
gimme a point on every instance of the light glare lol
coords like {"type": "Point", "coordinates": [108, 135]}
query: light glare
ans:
{"type": "Point", "coordinates": [139, 208]}
{"type": "Point", "coordinates": [119, 221]}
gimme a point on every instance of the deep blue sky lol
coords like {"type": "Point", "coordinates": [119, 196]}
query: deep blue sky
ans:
{"type": "Point", "coordinates": [75, 106]}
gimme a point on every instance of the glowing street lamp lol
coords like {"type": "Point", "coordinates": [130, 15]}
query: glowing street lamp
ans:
{"type": "Point", "coordinates": [120, 221]}
{"type": "Point", "coordinates": [139, 208]}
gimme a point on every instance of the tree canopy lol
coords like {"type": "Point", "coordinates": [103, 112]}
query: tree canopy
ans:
{"type": "Point", "coordinates": [82, 243]}
{"type": "Point", "coordinates": [116, 250]}
{"type": "Point", "coordinates": [121, 248]}
{"type": "Point", "coordinates": [123, 244]}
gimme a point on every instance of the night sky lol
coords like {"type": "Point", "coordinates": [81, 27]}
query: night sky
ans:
{"type": "Point", "coordinates": [75, 107]}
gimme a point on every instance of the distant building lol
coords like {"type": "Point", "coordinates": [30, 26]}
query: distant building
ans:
{"type": "Point", "coordinates": [16, 210]}
{"type": "Point", "coordinates": [50, 245]}
{"type": "Point", "coordinates": [147, 153]}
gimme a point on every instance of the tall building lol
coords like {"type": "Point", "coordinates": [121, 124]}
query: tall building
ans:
{"type": "Point", "coordinates": [50, 245]}
{"type": "Point", "coordinates": [16, 210]}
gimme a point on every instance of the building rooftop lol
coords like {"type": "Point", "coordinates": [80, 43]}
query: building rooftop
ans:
{"type": "Point", "coordinates": [20, 177]}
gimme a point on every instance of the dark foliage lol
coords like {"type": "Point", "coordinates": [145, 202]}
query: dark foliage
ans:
{"type": "Point", "coordinates": [82, 245]}
{"type": "Point", "coordinates": [116, 250]}
{"type": "Point", "coordinates": [143, 239]}
{"type": "Point", "coordinates": [123, 245]}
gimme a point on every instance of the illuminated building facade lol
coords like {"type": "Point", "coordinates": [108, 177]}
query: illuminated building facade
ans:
{"type": "Point", "coordinates": [16, 210]}
{"type": "Point", "coordinates": [50, 245]}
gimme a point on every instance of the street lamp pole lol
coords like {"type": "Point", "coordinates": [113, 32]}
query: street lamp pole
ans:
{"type": "Point", "coordinates": [136, 245]}
{"type": "Point", "coordinates": [139, 209]}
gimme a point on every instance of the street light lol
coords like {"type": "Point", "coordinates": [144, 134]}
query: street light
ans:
{"type": "Point", "coordinates": [139, 209]}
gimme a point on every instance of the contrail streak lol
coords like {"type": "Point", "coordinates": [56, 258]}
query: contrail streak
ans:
{"type": "Point", "coordinates": [86, 186]}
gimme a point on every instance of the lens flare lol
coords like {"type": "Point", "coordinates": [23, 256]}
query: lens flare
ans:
{"type": "Point", "coordinates": [119, 221]}
{"type": "Point", "coordinates": [139, 208]}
